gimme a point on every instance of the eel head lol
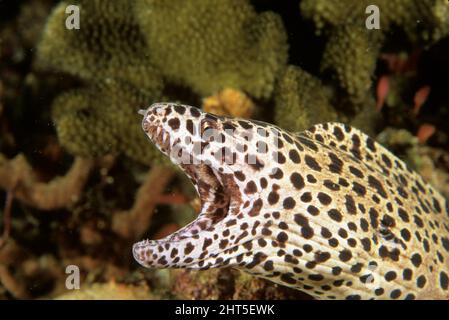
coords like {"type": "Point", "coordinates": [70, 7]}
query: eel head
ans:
{"type": "Point", "coordinates": [220, 156]}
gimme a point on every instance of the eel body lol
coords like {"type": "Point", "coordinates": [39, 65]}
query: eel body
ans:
{"type": "Point", "coordinates": [327, 211]}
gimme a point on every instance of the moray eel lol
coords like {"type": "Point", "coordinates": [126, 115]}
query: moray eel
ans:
{"type": "Point", "coordinates": [327, 211]}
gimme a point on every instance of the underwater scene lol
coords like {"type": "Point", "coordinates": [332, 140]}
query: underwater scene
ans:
{"type": "Point", "coordinates": [224, 149]}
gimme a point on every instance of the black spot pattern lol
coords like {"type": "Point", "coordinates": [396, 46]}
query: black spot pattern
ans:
{"type": "Point", "coordinates": [342, 191]}
{"type": "Point", "coordinates": [297, 180]}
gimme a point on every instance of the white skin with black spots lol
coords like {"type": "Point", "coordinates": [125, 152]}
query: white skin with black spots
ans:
{"type": "Point", "coordinates": [327, 211]}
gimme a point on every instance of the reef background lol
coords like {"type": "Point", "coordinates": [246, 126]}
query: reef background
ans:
{"type": "Point", "coordinates": [80, 182]}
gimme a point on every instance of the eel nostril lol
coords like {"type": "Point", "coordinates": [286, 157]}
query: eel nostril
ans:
{"type": "Point", "coordinates": [145, 126]}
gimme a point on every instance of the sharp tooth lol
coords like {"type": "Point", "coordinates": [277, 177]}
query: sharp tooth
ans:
{"type": "Point", "coordinates": [172, 143]}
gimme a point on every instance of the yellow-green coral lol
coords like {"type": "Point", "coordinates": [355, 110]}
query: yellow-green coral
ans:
{"type": "Point", "coordinates": [351, 52]}
{"type": "Point", "coordinates": [325, 13]}
{"type": "Point", "coordinates": [209, 45]}
{"type": "Point", "coordinates": [422, 20]}
{"type": "Point", "coordinates": [301, 101]}
{"type": "Point", "coordinates": [205, 46]}
{"type": "Point", "coordinates": [109, 44]}
{"type": "Point", "coordinates": [103, 119]}
{"type": "Point", "coordinates": [109, 53]}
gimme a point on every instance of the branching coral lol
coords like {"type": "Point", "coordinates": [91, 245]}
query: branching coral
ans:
{"type": "Point", "coordinates": [210, 45]}
{"type": "Point", "coordinates": [9, 254]}
{"type": "Point", "coordinates": [301, 101]}
{"type": "Point", "coordinates": [422, 20]}
{"type": "Point", "coordinates": [109, 53]}
{"type": "Point", "coordinates": [31, 21]}
{"type": "Point", "coordinates": [331, 13]}
{"type": "Point", "coordinates": [109, 44]}
{"type": "Point", "coordinates": [103, 119]}
{"type": "Point", "coordinates": [352, 50]}
{"type": "Point", "coordinates": [214, 45]}
{"type": "Point", "coordinates": [133, 223]}
{"type": "Point", "coordinates": [18, 176]}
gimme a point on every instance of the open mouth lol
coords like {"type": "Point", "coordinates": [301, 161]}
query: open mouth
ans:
{"type": "Point", "coordinates": [214, 198]}
{"type": "Point", "coordinates": [219, 197]}
{"type": "Point", "coordinates": [213, 187]}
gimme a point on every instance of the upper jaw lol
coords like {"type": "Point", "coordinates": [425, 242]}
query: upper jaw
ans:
{"type": "Point", "coordinates": [160, 138]}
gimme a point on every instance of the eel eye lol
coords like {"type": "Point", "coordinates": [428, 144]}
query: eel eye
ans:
{"type": "Point", "coordinates": [207, 127]}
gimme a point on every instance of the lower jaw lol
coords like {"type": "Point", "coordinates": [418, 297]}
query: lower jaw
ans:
{"type": "Point", "coordinates": [203, 260]}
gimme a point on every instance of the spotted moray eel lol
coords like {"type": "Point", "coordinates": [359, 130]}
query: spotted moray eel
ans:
{"type": "Point", "coordinates": [327, 211]}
